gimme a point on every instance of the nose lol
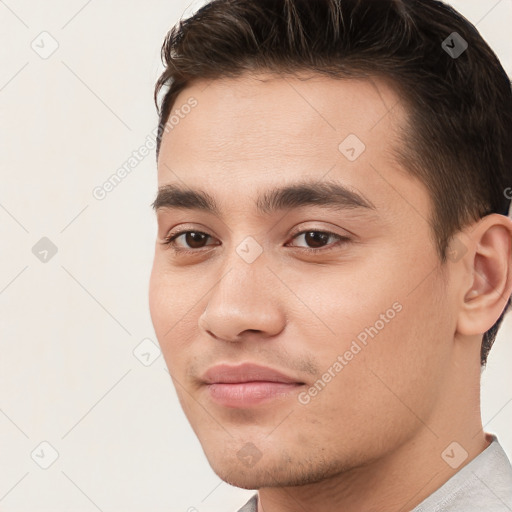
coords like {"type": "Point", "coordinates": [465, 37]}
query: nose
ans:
{"type": "Point", "coordinates": [245, 300]}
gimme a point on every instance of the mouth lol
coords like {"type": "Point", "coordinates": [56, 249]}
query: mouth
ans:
{"type": "Point", "coordinates": [247, 385]}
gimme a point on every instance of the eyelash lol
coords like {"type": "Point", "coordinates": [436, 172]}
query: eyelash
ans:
{"type": "Point", "coordinates": [170, 239]}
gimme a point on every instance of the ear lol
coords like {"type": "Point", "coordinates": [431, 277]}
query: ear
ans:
{"type": "Point", "coordinates": [489, 265]}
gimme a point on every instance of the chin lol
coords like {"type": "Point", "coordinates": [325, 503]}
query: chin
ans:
{"type": "Point", "coordinates": [247, 472]}
{"type": "Point", "coordinates": [244, 478]}
{"type": "Point", "coordinates": [272, 472]}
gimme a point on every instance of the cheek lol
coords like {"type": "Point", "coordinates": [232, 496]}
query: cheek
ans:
{"type": "Point", "coordinates": [158, 297]}
{"type": "Point", "coordinates": [174, 303]}
{"type": "Point", "coordinates": [170, 295]}
{"type": "Point", "coordinates": [386, 356]}
{"type": "Point", "coordinates": [379, 397]}
{"type": "Point", "coordinates": [162, 307]}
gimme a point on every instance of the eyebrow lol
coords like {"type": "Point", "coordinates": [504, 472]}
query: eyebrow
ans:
{"type": "Point", "coordinates": [327, 194]}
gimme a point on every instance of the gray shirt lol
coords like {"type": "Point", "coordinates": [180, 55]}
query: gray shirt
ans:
{"type": "Point", "coordinates": [485, 484]}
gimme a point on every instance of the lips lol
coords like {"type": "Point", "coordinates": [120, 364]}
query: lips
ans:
{"type": "Point", "coordinates": [246, 372]}
{"type": "Point", "coordinates": [247, 385]}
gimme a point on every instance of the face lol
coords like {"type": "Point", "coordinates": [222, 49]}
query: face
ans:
{"type": "Point", "coordinates": [316, 262]}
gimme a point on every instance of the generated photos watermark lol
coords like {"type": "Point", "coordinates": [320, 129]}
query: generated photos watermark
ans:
{"type": "Point", "coordinates": [100, 192]}
{"type": "Point", "coordinates": [356, 347]}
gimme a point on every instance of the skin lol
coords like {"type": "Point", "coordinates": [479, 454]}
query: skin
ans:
{"type": "Point", "coordinates": [373, 438]}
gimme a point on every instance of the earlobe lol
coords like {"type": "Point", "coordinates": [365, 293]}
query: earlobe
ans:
{"type": "Point", "coordinates": [491, 280]}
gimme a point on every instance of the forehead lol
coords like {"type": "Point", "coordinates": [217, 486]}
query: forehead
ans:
{"type": "Point", "coordinates": [265, 129]}
{"type": "Point", "coordinates": [254, 115]}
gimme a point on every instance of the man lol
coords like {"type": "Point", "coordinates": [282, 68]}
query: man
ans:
{"type": "Point", "coordinates": [334, 253]}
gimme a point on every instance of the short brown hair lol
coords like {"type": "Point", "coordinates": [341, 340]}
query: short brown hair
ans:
{"type": "Point", "coordinates": [459, 136]}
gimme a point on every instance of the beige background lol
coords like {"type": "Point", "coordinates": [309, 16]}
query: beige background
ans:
{"type": "Point", "coordinates": [69, 327]}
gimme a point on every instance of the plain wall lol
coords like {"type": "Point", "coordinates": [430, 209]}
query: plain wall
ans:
{"type": "Point", "coordinates": [69, 326]}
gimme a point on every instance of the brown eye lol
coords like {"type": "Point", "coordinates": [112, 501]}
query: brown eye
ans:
{"type": "Point", "coordinates": [193, 240]}
{"type": "Point", "coordinates": [316, 239]}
